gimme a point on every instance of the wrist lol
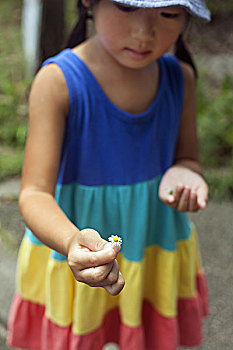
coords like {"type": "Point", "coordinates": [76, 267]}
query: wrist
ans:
{"type": "Point", "coordinates": [190, 164]}
{"type": "Point", "coordinates": [69, 240]}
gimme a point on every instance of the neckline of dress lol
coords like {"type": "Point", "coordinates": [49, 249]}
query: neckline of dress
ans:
{"type": "Point", "coordinates": [115, 110]}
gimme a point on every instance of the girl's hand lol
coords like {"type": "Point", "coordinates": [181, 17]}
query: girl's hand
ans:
{"type": "Point", "coordinates": [93, 261]}
{"type": "Point", "coordinates": [183, 189]}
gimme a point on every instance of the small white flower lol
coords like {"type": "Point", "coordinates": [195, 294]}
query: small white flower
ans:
{"type": "Point", "coordinates": [115, 240]}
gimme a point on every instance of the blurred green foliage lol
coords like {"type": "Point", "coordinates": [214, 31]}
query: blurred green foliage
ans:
{"type": "Point", "coordinates": [215, 124]}
{"type": "Point", "coordinates": [220, 182]}
{"type": "Point", "coordinates": [13, 90]}
{"type": "Point", "coordinates": [215, 130]}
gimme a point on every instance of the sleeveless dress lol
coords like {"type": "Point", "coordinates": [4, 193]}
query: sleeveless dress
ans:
{"type": "Point", "coordinates": [111, 166]}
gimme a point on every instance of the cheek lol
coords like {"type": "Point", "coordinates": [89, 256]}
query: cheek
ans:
{"type": "Point", "coordinates": [172, 29]}
{"type": "Point", "coordinates": [111, 31]}
{"type": "Point", "coordinates": [172, 33]}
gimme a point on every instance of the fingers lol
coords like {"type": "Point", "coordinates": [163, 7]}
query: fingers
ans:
{"type": "Point", "coordinates": [88, 249]}
{"type": "Point", "coordinates": [113, 276]}
{"type": "Point", "coordinates": [100, 276]}
{"type": "Point", "coordinates": [116, 288]}
{"type": "Point", "coordinates": [87, 259]}
{"type": "Point", "coordinates": [94, 276]}
{"type": "Point", "coordinates": [202, 199]}
{"type": "Point", "coordinates": [186, 199]}
{"type": "Point", "coordinates": [174, 198]}
{"type": "Point", "coordinates": [112, 281]}
{"type": "Point", "coordinates": [91, 239]}
{"type": "Point", "coordinates": [94, 268]}
{"type": "Point", "coordinates": [183, 203]}
{"type": "Point", "coordinates": [193, 205]}
{"type": "Point", "coordinates": [93, 261]}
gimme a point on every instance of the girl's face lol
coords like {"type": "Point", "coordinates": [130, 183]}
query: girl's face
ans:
{"type": "Point", "coordinates": [135, 37]}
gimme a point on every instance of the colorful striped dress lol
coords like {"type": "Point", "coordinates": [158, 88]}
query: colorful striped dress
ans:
{"type": "Point", "coordinates": [111, 166]}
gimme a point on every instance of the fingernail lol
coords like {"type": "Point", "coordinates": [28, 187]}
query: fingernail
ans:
{"type": "Point", "coordinates": [203, 204]}
{"type": "Point", "coordinates": [171, 199]}
{"type": "Point", "coordinates": [116, 248]}
{"type": "Point", "coordinates": [193, 195]}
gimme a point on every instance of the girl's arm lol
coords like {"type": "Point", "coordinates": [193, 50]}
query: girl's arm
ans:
{"type": "Point", "coordinates": [91, 259]}
{"type": "Point", "coordinates": [183, 187]}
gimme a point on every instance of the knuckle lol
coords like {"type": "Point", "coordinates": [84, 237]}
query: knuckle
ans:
{"type": "Point", "coordinates": [72, 265]}
{"type": "Point", "coordinates": [117, 290]}
{"type": "Point", "coordinates": [98, 275]}
{"type": "Point", "coordinates": [112, 278]}
{"type": "Point", "coordinates": [82, 234]}
{"type": "Point", "coordinates": [99, 245]}
{"type": "Point", "coordinates": [93, 260]}
{"type": "Point", "coordinates": [111, 256]}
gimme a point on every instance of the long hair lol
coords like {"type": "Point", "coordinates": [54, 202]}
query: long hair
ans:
{"type": "Point", "coordinates": [79, 33]}
{"type": "Point", "coordinates": [182, 52]}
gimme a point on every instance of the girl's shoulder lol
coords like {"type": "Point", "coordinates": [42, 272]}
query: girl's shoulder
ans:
{"type": "Point", "coordinates": [179, 73]}
{"type": "Point", "coordinates": [68, 62]}
{"type": "Point", "coordinates": [174, 65]}
{"type": "Point", "coordinates": [52, 72]}
{"type": "Point", "coordinates": [188, 72]}
{"type": "Point", "coordinates": [49, 88]}
{"type": "Point", "coordinates": [189, 80]}
{"type": "Point", "coordinates": [65, 74]}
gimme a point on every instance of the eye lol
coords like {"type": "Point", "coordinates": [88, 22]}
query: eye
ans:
{"type": "Point", "coordinates": [124, 8]}
{"type": "Point", "coordinates": [169, 15]}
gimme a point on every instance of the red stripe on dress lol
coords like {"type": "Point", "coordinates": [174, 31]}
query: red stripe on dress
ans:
{"type": "Point", "coordinates": [24, 324]}
{"type": "Point", "coordinates": [30, 329]}
{"type": "Point", "coordinates": [191, 312]}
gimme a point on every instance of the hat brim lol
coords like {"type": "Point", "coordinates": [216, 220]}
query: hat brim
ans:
{"type": "Point", "coordinates": [196, 8]}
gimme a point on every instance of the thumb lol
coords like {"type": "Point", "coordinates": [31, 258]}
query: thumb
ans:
{"type": "Point", "coordinates": [202, 197]}
{"type": "Point", "coordinates": [92, 240]}
{"type": "Point", "coordinates": [166, 194]}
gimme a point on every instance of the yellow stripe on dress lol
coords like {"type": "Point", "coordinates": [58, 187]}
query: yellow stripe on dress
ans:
{"type": "Point", "coordinates": [161, 277]}
{"type": "Point", "coordinates": [59, 288]}
{"type": "Point", "coordinates": [31, 271]}
{"type": "Point", "coordinates": [189, 265]}
{"type": "Point", "coordinates": [90, 307]}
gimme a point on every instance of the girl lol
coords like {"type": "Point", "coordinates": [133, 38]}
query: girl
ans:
{"type": "Point", "coordinates": [112, 149]}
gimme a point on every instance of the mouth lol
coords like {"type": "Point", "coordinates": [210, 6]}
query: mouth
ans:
{"type": "Point", "coordinates": [137, 54]}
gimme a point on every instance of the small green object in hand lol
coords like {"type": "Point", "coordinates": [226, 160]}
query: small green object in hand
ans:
{"type": "Point", "coordinates": [171, 192]}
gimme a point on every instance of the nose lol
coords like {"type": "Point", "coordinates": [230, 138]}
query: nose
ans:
{"type": "Point", "coordinates": [143, 28]}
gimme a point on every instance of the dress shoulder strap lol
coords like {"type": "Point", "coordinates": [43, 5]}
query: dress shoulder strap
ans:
{"type": "Point", "coordinates": [174, 77]}
{"type": "Point", "coordinates": [71, 68]}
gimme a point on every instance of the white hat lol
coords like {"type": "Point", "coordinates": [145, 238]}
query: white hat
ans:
{"type": "Point", "coordinates": [195, 7]}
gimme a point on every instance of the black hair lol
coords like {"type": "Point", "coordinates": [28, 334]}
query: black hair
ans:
{"type": "Point", "coordinates": [182, 52]}
{"type": "Point", "coordinates": [79, 34]}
